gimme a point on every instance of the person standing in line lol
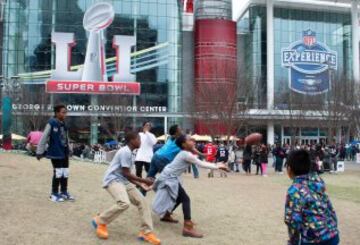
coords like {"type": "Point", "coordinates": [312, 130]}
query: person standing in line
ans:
{"type": "Point", "coordinates": [247, 159]}
{"type": "Point", "coordinates": [348, 152]}
{"type": "Point", "coordinates": [210, 150]}
{"type": "Point", "coordinates": [334, 158]}
{"type": "Point", "coordinates": [238, 158]}
{"type": "Point", "coordinates": [56, 137]}
{"type": "Point", "coordinates": [232, 158]}
{"type": "Point", "coordinates": [342, 152]}
{"type": "Point", "coordinates": [354, 151]}
{"type": "Point", "coordinates": [263, 158]}
{"type": "Point", "coordinates": [256, 158]}
{"type": "Point", "coordinates": [279, 154]}
{"type": "Point", "coordinates": [120, 183]}
{"type": "Point", "coordinates": [196, 173]}
{"type": "Point", "coordinates": [146, 150]}
{"type": "Point", "coordinates": [222, 155]}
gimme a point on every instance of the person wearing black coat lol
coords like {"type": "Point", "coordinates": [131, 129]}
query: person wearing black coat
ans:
{"type": "Point", "coordinates": [279, 154]}
{"type": "Point", "coordinates": [247, 159]}
{"type": "Point", "coordinates": [256, 159]}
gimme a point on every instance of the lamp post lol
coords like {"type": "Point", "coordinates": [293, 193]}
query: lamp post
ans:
{"type": "Point", "coordinates": [10, 88]}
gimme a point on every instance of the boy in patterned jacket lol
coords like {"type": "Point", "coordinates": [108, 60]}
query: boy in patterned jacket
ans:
{"type": "Point", "coordinates": [309, 214]}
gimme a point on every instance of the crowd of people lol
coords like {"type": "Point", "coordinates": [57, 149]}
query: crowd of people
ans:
{"type": "Point", "coordinates": [309, 214]}
{"type": "Point", "coordinates": [242, 158]}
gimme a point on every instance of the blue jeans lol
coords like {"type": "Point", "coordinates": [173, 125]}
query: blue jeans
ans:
{"type": "Point", "coordinates": [195, 171]}
{"type": "Point", "coordinates": [157, 165]}
{"type": "Point", "coordinates": [332, 241]}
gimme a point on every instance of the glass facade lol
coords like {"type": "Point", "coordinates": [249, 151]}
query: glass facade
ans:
{"type": "Point", "coordinates": [332, 29]}
{"type": "Point", "coordinates": [252, 56]}
{"type": "Point", "coordinates": [156, 60]}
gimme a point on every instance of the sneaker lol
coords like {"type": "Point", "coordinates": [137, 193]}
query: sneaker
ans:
{"type": "Point", "coordinates": [101, 229]}
{"type": "Point", "coordinates": [55, 197]}
{"type": "Point", "coordinates": [67, 196]}
{"type": "Point", "coordinates": [149, 237]}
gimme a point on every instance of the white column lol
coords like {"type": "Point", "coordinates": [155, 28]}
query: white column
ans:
{"type": "Point", "coordinates": [270, 133]}
{"type": "Point", "coordinates": [165, 125]}
{"type": "Point", "coordinates": [270, 53]}
{"type": "Point", "coordinates": [338, 135]}
{"type": "Point", "coordinates": [355, 40]}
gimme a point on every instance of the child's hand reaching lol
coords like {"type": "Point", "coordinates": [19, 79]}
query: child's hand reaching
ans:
{"type": "Point", "coordinates": [222, 166]}
{"type": "Point", "coordinates": [146, 187]}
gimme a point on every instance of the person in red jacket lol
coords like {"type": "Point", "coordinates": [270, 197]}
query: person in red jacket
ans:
{"type": "Point", "coordinates": [210, 151]}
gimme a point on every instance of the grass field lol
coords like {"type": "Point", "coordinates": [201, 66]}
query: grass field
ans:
{"type": "Point", "coordinates": [233, 211]}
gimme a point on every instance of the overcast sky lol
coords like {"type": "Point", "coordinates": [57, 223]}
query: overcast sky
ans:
{"type": "Point", "coordinates": [237, 4]}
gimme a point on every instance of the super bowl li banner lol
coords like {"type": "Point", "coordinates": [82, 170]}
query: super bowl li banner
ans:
{"type": "Point", "coordinates": [310, 63]}
{"type": "Point", "coordinates": [92, 77]}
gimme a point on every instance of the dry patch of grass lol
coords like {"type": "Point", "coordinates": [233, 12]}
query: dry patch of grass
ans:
{"type": "Point", "coordinates": [238, 210]}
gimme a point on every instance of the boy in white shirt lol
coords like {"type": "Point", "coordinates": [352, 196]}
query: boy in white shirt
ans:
{"type": "Point", "coordinates": [145, 152]}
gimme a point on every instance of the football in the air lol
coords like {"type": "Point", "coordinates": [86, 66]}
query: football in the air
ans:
{"type": "Point", "coordinates": [254, 138]}
{"type": "Point", "coordinates": [98, 16]}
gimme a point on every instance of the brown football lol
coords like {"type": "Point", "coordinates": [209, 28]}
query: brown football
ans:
{"type": "Point", "coordinates": [252, 139]}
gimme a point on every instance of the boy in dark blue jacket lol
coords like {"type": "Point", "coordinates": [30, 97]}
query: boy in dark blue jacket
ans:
{"type": "Point", "coordinates": [222, 155]}
{"type": "Point", "coordinates": [56, 137]}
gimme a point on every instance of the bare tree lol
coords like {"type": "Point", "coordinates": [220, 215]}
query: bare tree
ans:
{"type": "Point", "coordinates": [222, 105]}
{"type": "Point", "coordinates": [298, 110]}
{"type": "Point", "coordinates": [339, 106]}
{"type": "Point", "coordinates": [331, 110]}
{"type": "Point", "coordinates": [354, 124]}
{"type": "Point", "coordinates": [34, 108]}
{"type": "Point", "coordinates": [115, 120]}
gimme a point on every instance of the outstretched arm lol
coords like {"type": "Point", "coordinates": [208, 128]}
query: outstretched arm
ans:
{"type": "Point", "coordinates": [203, 164]}
{"type": "Point", "coordinates": [134, 179]}
{"type": "Point", "coordinates": [208, 165]}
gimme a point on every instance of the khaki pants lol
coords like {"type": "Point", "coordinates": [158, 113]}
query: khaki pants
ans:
{"type": "Point", "coordinates": [124, 195]}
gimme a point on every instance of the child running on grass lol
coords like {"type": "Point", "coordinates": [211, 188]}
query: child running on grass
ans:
{"type": "Point", "coordinates": [120, 183]}
{"type": "Point", "coordinates": [309, 214]}
{"type": "Point", "coordinates": [169, 190]}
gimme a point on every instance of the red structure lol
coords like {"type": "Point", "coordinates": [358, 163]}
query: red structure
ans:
{"type": "Point", "coordinates": [215, 72]}
{"type": "Point", "coordinates": [188, 6]}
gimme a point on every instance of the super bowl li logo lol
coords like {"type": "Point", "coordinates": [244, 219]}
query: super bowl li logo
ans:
{"type": "Point", "coordinates": [92, 77]}
{"type": "Point", "coordinates": [310, 63]}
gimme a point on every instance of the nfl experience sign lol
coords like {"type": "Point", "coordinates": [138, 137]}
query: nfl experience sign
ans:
{"type": "Point", "coordinates": [92, 77]}
{"type": "Point", "coordinates": [309, 63]}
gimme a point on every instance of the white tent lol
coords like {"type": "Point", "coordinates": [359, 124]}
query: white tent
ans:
{"type": "Point", "coordinates": [14, 137]}
{"type": "Point", "coordinates": [205, 138]}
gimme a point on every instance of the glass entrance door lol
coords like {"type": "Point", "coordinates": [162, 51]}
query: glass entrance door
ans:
{"type": "Point", "coordinates": [309, 140]}
{"type": "Point", "coordinates": [286, 140]}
